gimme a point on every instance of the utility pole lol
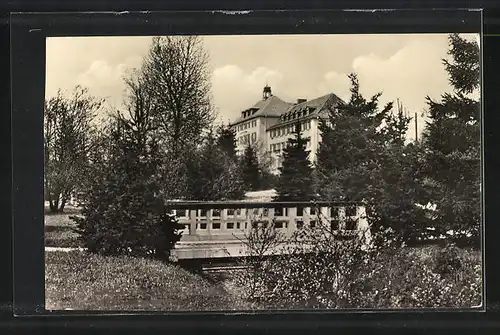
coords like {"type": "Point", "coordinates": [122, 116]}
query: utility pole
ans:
{"type": "Point", "coordinates": [416, 128]}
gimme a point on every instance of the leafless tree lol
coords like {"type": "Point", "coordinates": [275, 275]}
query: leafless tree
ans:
{"type": "Point", "coordinates": [174, 81]}
{"type": "Point", "coordinates": [177, 77]}
{"type": "Point", "coordinates": [68, 140]}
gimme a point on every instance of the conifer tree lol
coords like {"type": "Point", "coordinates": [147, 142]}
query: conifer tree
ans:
{"type": "Point", "coordinates": [452, 142]}
{"type": "Point", "coordinates": [212, 174]}
{"type": "Point", "coordinates": [295, 181]}
{"type": "Point", "coordinates": [226, 140]}
{"type": "Point", "coordinates": [250, 169]}
{"type": "Point", "coordinates": [363, 158]}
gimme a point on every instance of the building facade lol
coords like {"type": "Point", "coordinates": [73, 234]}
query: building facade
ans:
{"type": "Point", "coordinates": [270, 122]}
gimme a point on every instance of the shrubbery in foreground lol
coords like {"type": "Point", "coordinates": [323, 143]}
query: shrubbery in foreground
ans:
{"type": "Point", "coordinates": [326, 273]}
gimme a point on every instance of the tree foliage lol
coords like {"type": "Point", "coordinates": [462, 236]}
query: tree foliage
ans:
{"type": "Point", "coordinates": [295, 180]}
{"type": "Point", "coordinates": [69, 137]}
{"type": "Point", "coordinates": [175, 79]}
{"type": "Point", "coordinates": [250, 169]}
{"type": "Point", "coordinates": [452, 143]}
{"type": "Point", "coordinates": [123, 210]}
{"type": "Point", "coordinates": [176, 75]}
{"type": "Point", "coordinates": [226, 140]}
{"type": "Point", "coordinates": [212, 174]}
{"type": "Point", "coordinates": [363, 157]}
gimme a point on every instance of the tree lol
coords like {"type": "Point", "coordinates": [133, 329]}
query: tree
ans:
{"type": "Point", "coordinates": [176, 79]}
{"type": "Point", "coordinates": [295, 181]}
{"type": "Point", "coordinates": [226, 140]}
{"type": "Point", "coordinates": [123, 210]}
{"type": "Point", "coordinates": [363, 157]}
{"type": "Point", "coordinates": [68, 139]}
{"type": "Point", "coordinates": [250, 169]}
{"type": "Point", "coordinates": [212, 174]}
{"type": "Point", "coordinates": [452, 144]}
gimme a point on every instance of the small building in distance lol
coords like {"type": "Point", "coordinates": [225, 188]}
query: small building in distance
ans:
{"type": "Point", "coordinates": [270, 122]}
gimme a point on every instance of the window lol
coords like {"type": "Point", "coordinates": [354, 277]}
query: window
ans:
{"type": "Point", "coordinates": [216, 212]}
{"type": "Point", "coordinates": [255, 224]}
{"type": "Point", "coordinates": [230, 212]}
{"type": "Point", "coordinates": [254, 137]}
{"type": "Point", "coordinates": [216, 225]}
{"type": "Point", "coordinates": [238, 225]}
{"type": "Point", "coordinates": [230, 225]}
{"type": "Point", "coordinates": [312, 223]}
{"type": "Point", "coordinates": [202, 225]}
{"type": "Point", "coordinates": [203, 212]}
{"type": "Point", "coordinates": [238, 211]}
{"type": "Point", "coordinates": [300, 224]}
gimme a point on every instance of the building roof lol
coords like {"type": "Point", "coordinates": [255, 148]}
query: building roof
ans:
{"type": "Point", "coordinates": [308, 109]}
{"type": "Point", "coordinates": [271, 107]}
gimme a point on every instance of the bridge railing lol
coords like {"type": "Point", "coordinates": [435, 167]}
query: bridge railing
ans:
{"type": "Point", "coordinates": [225, 220]}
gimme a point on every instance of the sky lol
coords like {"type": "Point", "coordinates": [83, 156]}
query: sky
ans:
{"type": "Point", "coordinates": [401, 66]}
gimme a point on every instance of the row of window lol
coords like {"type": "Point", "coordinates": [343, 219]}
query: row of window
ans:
{"type": "Point", "coordinates": [246, 125]}
{"type": "Point", "coordinates": [249, 112]}
{"type": "Point", "coordinates": [305, 111]}
{"type": "Point", "coordinates": [286, 130]}
{"type": "Point", "coordinates": [246, 139]}
{"type": "Point", "coordinates": [278, 147]}
{"type": "Point", "coordinates": [278, 211]}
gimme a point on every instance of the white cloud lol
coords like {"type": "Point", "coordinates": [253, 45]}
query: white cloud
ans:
{"type": "Point", "coordinates": [410, 74]}
{"type": "Point", "coordinates": [234, 89]}
{"type": "Point", "coordinates": [335, 82]}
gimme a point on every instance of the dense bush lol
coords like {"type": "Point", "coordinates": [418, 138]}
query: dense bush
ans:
{"type": "Point", "coordinates": [122, 212]}
{"type": "Point", "coordinates": [320, 270]}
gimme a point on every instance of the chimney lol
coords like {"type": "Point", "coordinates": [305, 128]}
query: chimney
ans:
{"type": "Point", "coordinates": [299, 101]}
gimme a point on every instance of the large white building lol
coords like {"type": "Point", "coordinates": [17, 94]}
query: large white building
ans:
{"type": "Point", "coordinates": [270, 122]}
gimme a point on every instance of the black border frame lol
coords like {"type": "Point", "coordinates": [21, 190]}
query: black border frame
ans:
{"type": "Point", "coordinates": [25, 154]}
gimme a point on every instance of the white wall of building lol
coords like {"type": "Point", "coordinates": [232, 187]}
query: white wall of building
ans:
{"type": "Point", "coordinates": [277, 140]}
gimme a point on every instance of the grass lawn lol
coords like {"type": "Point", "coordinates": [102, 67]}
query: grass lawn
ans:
{"type": "Point", "coordinates": [81, 281]}
{"type": "Point", "coordinates": [59, 228]}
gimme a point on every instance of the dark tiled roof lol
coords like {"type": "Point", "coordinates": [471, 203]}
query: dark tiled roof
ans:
{"type": "Point", "coordinates": [308, 109]}
{"type": "Point", "coordinates": [272, 106]}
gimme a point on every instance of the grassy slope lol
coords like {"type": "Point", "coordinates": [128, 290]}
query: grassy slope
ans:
{"type": "Point", "coordinates": [78, 280]}
{"type": "Point", "coordinates": [59, 229]}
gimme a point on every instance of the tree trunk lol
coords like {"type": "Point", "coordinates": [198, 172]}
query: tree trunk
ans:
{"type": "Point", "coordinates": [54, 204]}
{"type": "Point", "coordinates": [63, 203]}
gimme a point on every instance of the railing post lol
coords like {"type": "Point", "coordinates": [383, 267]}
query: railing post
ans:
{"type": "Point", "coordinates": [192, 219]}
